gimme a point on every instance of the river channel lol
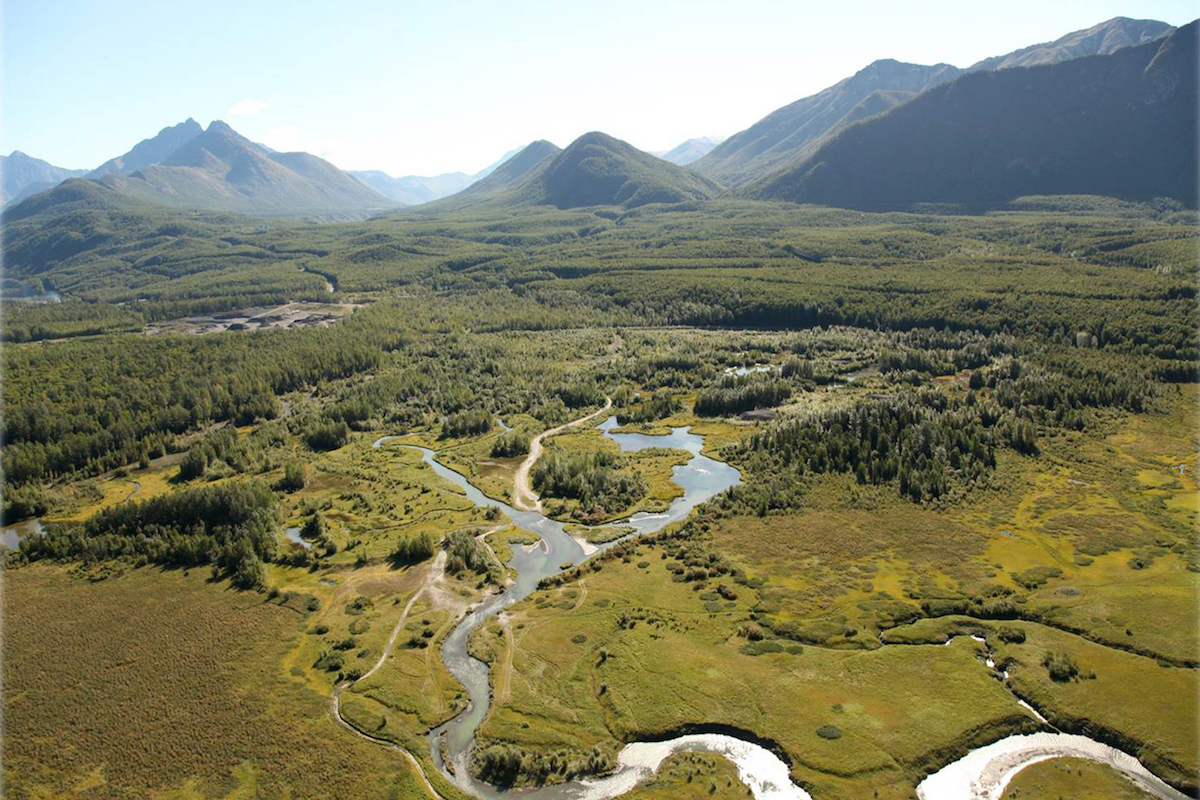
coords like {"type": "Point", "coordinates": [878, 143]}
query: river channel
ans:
{"type": "Point", "coordinates": [981, 775]}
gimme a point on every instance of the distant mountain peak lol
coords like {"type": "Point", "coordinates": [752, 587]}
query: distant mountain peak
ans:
{"type": "Point", "coordinates": [415, 190]}
{"type": "Point", "coordinates": [22, 175]}
{"type": "Point", "coordinates": [595, 137]}
{"type": "Point", "coordinates": [188, 127]}
{"type": "Point", "coordinates": [1100, 39]}
{"type": "Point", "coordinates": [596, 169]}
{"type": "Point", "coordinates": [217, 168]}
{"type": "Point", "coordinates": [690, 150]}
{"type": "Point", "coordinates": [150, 151]}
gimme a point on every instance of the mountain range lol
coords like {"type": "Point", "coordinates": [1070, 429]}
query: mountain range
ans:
{"type": "Point", "coordinates": [22, 176]}
{"type": "Point", "coordinates": [793, 133]}
{"type": "Point", "coordinates": [149, 152]}
{"type": "Point", "coordinates": [1112, 98]}
{"type": "Point", "coordinates": [218, 169]}
{"type": "Point", "coordinates": [1098, 40]}
{"type": "Point", "coordinates": [594, 170]}
{"type": "Point", "coordinates": [416, 189]}
{"type": "Point", "coordinates": [1123, 125]}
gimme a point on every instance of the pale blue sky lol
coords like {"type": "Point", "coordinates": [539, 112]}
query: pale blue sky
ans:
{"type": "Point", "coordinates": [410, 86]}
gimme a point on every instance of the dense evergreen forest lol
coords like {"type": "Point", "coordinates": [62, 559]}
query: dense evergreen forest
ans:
{"type": "Point", "coordinates": [231, 526]}
{"type": "Point", "coordinates": [1055, 305]}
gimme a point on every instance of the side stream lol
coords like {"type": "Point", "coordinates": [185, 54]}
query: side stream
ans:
{"type": "Point", "coordinates": [982, 774]}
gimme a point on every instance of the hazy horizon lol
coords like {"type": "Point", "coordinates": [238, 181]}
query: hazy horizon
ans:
{"type": "Point", "coordinates": [427, 90]}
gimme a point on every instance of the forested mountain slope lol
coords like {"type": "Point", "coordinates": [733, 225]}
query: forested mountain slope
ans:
{"type": "Point", "coordinates": [497, 185]}
{"type": "Point", "coordinates": [597, 169]}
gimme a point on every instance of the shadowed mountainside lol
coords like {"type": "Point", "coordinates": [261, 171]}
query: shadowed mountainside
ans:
{"type": "Point", "coordinates": [793, 133]}
{"type": "Point", "coordinates": [1122, 125]}
{"type": "Point", "coordinates": [597, 169]}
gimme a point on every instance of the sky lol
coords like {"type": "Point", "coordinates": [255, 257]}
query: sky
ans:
{"type": "Point", "coordinates": [415, 87]}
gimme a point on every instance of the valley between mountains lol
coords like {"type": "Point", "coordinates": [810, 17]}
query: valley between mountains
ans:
{"type": "Point", "coordinates": [853, 455]}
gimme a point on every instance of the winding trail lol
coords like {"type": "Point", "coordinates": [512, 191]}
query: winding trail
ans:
{"type": "Point", "coordinates": [982, 774]}
{"type": "Point", "coordinates": [436, 571]}
{"type": "Point", "coordinates": [524, 498]}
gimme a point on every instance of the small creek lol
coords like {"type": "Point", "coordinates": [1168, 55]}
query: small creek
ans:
{"type": "Point", "coordinates": [11, 535]}
{"type": "Point", "coordinates": [982, 774]}
{"type": "Point", "coordinates": [701, 478]}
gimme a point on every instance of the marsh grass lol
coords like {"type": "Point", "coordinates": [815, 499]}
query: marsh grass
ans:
{"type": "Point", "coordinates": [1071, 777]}
{"type": "Point", "coordinates": [161, 681]}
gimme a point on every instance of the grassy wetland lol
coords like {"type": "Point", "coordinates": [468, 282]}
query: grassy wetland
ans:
{"type": "Point", "coordinates": [946, 426]}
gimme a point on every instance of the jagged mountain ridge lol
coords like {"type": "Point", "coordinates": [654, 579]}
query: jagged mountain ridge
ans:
{"type": "Point", "coordinates": [23, 175]}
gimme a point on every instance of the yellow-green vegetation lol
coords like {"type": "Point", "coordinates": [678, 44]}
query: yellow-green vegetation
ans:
{"type": "Point", "coordinates": [474, 457]}
{"type": "Point", "coordinates": [626, 652]}
{"type": "Point", "coordinates": [1074, 778]}
{"type": "Point", "coordinates": [85, 498]}
{"type": "Point", "coordinates": [1098, 576]}
{"type": "Point", "coordinates": [414, 684]}
{"type": "Point", "coordinates": [1148, 707]}
{"type": "Point", "coordinates": [692, 775]}
{"type": "Point", "coordinates": [161, 682]}
{"type": "Point", "coordinates": [373, 497]}
{"type": "Point", "coordinates": [598, 535]}
{"type": "Point", "coordinates": [503, 540]}
{"type": "Point", "coordinates": [989, 462]}
{"type": "Point", "coordinates": [1068, 538]}
{"type": "Point", "coordinates": [359, 611]}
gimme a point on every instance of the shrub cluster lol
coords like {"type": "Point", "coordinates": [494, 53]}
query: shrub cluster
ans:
{"type": "Point", "coordinates": [231, 525]}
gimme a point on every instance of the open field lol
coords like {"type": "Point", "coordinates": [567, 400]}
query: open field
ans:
{"type": "Point", "coordinates": [692, 775]}
{"type": "Point", "coordinates": [627, 652]}
{"type": "Point", "coordinates": [1074, 778]}
{"type": "Point", "coordinates": [161, 682]}
{"type": "Point", "coordinates": [1149, 707]}
{"type": "Point", "coordinates": [287, 315]}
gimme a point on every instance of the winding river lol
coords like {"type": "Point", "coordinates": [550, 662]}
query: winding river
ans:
{"type": "Point", "coordinates": [982, 774]}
